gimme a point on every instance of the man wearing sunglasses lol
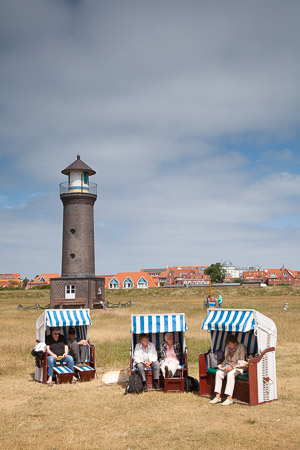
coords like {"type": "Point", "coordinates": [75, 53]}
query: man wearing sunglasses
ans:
{"type": "Point", "coordinates": [57, 350]}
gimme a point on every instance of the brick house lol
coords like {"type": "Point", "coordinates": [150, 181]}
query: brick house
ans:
{"type": "Point", "coordinates": [255, 275]}
{"type": "Point", "coordinates": [283, 276]}
{"type": "Point", "coordinates": [187, 276]}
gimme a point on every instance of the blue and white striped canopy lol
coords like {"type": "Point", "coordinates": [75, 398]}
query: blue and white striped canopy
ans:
{"type": "Point", "coordinates": [229, 320]}
{"type": "Point", "coordinates": [157, 323]}
{"type": "Point", "coordinates": [67, 317]}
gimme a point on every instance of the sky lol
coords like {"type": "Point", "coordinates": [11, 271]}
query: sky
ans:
{"type": "Point", "coordinates": [189, 112]}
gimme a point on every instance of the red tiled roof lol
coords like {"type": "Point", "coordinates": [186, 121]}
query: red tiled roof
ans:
{"type": "Point", "coordinates": [10, 276]}
{"type": "Point", "coordinates": [134, 276]}
{"type": "Point", "coordinates": [46, 277]}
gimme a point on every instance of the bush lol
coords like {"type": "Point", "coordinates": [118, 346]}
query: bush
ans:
{"type": "Point", "coordinates": [43, 286]}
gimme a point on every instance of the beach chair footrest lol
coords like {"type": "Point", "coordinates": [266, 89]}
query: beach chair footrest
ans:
{"type": "Point", "coordinates": [85, 373]}
{"type": "Point", "coordinates": [63, 374]}
{"type": "Point", "coordinates": [174, 385]}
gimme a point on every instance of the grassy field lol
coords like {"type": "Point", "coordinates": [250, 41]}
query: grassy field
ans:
{"type": "Point", "coordinates": [92, 415]}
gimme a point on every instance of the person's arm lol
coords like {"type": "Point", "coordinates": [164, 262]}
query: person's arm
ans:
{"type": "Point", "coordinates": [178, 350]}
{"type": "Point", "coordinates": [83, 342]}
{"type": "Point", "coordinates": [66, 351]}
{"type": "Point", "coordinates": [229, 368]}
{"type": "Point", "coordinates": [161, 352]}
{"type": "Point", "coordinates": [242, 353]}
{"type": "Point", "coordinates": [137, 355]}
{"type": "Point", "coordinates": [152, 353]}
{"type": "Point", "coordinates": [51, 353]}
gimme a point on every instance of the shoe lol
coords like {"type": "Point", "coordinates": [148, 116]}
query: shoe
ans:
{"type": "Point", "coordinates": [156, 387]}
{"type": "Point", "coordinates": [215, 400]}
{"type": "Point", "coordinates": [227, 402]}
{"type": "Point", "coordinates": [166, 372]}
{"type": "Point", "coordinates": [145, 388]}
{"type": "Point", "coordinates": [170, 374]}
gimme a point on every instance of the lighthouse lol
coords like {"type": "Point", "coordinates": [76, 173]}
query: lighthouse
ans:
{"type": "Point", "coordinates": [78, 285]}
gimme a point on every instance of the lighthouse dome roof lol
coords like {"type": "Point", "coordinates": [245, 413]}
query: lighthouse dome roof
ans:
{"type": "Point", "coordinates": [78, 164]}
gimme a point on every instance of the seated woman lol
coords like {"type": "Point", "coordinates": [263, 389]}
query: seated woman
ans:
{"type": "Point", "coordinates": [234, 352]}
{"type": "Point", "coordinates": [57, 349]}
{"type": "Point", "coordinates": [169, 356]}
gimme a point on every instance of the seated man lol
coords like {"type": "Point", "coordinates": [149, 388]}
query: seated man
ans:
{"type": "Point", "coordinates": [145, 356]}
{"type": "Point", "coordinates": [169, 356]}
{"type": "Point", "coordinates": [77, 349]}
{"type": "Point", "coordinates": [57, 349]}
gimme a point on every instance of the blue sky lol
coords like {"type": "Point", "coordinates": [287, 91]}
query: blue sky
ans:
{"type": "Point", "coordinates": [188, 112]}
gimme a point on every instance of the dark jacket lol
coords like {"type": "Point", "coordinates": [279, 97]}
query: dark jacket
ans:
{"type": "Point", "coordinates": [163, 351]}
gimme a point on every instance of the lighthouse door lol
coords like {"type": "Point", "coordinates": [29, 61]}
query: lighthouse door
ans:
{"type": "Point", "coordinates": [70, 291]}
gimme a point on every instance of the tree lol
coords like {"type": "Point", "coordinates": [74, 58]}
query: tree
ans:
{"type": "Point", "coordinates": [216, 273]}
{"type": "Point", "coordinates": [237, 280]}
{"type": "Point", "coordinates": [25, 282]}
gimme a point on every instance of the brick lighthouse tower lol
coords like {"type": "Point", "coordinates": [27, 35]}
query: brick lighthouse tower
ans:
{"type": "Point", "coordinates": [78, 285]}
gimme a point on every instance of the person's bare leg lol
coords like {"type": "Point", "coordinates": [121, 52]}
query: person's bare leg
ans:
{"type": "Point", "coordinates": [49, 381]}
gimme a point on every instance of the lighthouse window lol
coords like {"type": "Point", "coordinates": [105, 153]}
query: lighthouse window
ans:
{"type": "Point", "coordinates": [85, 178]}
{"type": "Point", "coordinates": [72, 256]}
{"type": "Point", "coordinates": [72, 231]}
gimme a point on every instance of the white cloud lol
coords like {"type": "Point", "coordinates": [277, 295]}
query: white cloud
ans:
{"type": "Point", "coordinates": [284, 155]}
{"type": "Point", "coordinates": [151, 96]}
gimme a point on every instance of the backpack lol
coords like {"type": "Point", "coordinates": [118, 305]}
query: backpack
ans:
{"type": "Point", "coordinates": [191, 384]}
{"type": "Point", "coordinates": [135, 385]}
{"type": "Point", "coordinates": [38, 352]}
{"type": "Point", "coordinates": [216, 358]}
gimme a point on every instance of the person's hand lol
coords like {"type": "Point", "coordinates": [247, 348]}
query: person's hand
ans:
{"type": "Point", "coordinates": [228, 369]}
{"type": "Point", "coordinates": [65, 355]}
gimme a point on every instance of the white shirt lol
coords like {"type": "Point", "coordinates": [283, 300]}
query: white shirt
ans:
{"type": "Point", "coordinates": [142, 354]}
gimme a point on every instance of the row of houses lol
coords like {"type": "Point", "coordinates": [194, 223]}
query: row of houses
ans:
{"type": "Point", "coordinates": [146, 278]}
{"type": "Point", "coordinates": [273, 277]}
{"type": "Point", "coordinates": [10, 280]}
{"type": "Point", "coordinates": [172, 276]}
{"type": "Point", "coordinates": [195, 276]}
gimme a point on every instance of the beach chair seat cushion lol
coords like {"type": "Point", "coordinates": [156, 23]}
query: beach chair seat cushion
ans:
{"type": "Point", "coordinates": [244, 376]}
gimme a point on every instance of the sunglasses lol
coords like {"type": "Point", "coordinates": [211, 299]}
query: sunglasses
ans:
{"type": "Point", "coordinates": [56, 334]}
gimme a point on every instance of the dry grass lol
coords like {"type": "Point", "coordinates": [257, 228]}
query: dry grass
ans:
{"type": "Point", "coordinates": [91, 415]}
